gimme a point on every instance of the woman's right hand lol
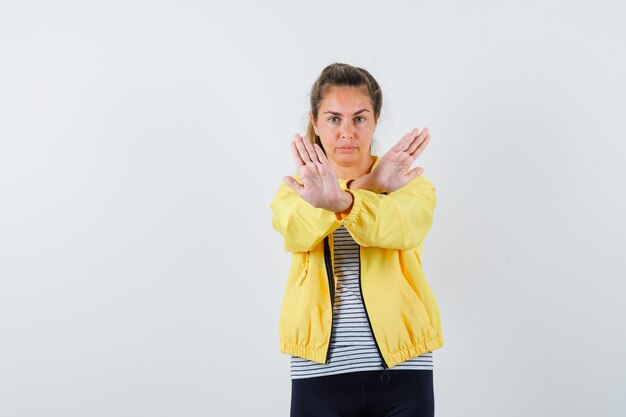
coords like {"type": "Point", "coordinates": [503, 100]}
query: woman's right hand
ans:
{"type": "Point", "coordinates": [319, 183]}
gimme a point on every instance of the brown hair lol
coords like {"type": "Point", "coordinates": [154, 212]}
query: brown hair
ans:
{"type": "Point", "coordinates": [339, 74]}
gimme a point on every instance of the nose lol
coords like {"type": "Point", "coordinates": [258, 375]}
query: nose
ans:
{"type": "Point", "coordinates": [346, 130]}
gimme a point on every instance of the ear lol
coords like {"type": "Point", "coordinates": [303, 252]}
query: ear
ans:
{"type": "Point", "coordinates": [313, 122]}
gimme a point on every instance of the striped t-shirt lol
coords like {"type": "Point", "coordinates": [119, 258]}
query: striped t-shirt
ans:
{"type": "Point", "coordinates": [352, 345]}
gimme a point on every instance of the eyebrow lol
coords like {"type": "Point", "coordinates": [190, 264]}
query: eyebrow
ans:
{"type": "Point", "coordinates": [339, 114]}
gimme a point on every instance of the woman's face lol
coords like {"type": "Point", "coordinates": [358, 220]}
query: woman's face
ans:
{"type": "Point", "coordinates": [345, 124]}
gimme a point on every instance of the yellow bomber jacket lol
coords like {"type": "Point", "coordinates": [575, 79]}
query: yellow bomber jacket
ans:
{"type": "Point", "coordinates": [390, 229]}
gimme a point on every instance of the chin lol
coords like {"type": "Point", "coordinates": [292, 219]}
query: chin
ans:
{"type": "Point", "coordinates": [347, 157]}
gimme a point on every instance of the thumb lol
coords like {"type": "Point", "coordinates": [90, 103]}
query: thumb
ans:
{"type": "Point", "coordinates": [414, 173]}
{"type": "Point", "coordinates": [291, 181]}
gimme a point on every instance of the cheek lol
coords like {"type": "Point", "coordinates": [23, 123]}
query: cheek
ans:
{"type": "Point", "coordinates": [328, 131]}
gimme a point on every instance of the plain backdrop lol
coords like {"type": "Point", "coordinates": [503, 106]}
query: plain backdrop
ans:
{"type": "Point", "coordinates": [141, 143]}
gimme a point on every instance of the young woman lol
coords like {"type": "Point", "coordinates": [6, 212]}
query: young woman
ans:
{"type": "Point", "coordinates": [358, 316]}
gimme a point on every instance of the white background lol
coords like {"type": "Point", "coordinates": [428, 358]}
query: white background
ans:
{"type": "Point", "coordinates": [142, 141]}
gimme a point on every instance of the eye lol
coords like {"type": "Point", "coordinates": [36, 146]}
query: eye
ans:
{"type": "Point", "coordinates": [330, 119]}
{"type": "Point", "coordinates": [362, 119]}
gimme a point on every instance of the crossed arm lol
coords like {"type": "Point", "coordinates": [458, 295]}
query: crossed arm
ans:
{"type": "Point", "coordinates": [398, 220]}
{"type": "Point", "coordinates": [306, 209]}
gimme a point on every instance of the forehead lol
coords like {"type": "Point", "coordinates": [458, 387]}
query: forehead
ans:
{"type": "Point", "coordinates": [345, 99]}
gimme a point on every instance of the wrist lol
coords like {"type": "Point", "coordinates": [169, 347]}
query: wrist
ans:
{"type": "Point", "coordinates": [345, 202]}
{"type": "Point", "coordinates": [365, 182]}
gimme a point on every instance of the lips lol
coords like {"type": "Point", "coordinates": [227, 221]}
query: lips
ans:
{"type": "Point", "coordinates": [346, 149]}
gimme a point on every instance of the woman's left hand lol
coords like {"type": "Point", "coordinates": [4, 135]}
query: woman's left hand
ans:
{"type": "Point", "coordinates": [391, 173]}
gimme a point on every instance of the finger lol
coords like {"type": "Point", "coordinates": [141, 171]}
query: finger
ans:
{"type": "Point", "coordinates": [320, 154]}
{"type": "Point", "coordinates": [418, 140]}
{"type": "Point", "coordinates": [417, 146]}
{"type": "Point", "coordinates": [296, 155]}
{"type": "Point", "coordinates": [311, 150]}
{"type": "Point", "coordinates": [418, 151]}
{"type": "Point", "coordinates": [406, 140]}
{"type": "Point", "coordinates": [304, 154]}
{"type": "Point", "coordinates": [415, 172]}
{"type": "Point", "coordinates": [295, 185]}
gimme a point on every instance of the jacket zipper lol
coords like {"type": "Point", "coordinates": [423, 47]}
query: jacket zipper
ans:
{"type": "Point", "coordinates": [384, 364]}
{"type": "Point", "coordinates": [331, 287]}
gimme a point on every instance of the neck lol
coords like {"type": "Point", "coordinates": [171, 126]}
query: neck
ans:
{"type": "Point", "coordinates": [357, 170]}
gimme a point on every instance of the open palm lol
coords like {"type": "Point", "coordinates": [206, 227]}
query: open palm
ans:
{"type": "Point", "coordinates": [319, 183]}
{"type": "Point", "coordinates": [391, 171]}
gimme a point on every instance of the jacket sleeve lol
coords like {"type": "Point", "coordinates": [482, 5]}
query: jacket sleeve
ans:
{"type": "Point", "coordinates": [302, 225]}
{"type": "Point", "coordinates": [398, 220]}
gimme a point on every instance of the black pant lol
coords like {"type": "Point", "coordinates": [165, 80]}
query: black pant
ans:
{"type": "Point", "coordinates": [399, 393]}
